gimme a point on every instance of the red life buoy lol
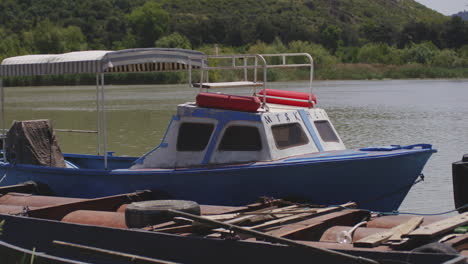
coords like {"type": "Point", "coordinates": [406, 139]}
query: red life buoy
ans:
{"type": "Point", "coordinates": [284, 97]}
{"type": "Point", "coordinates": [228, 102]}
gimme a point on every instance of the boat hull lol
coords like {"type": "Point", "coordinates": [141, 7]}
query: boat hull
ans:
{"type": "Point", "coordinates": [378, 182]}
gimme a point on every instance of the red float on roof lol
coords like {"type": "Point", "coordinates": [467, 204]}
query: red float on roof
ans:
{"type": "Point", "coordinates": [228, 102]}
{"type": "Point", "coordinates": [284, 97]}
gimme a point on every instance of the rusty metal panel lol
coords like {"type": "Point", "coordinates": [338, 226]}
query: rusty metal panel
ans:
{"type": "Point", "coordinates": [109, 203]}
{"type": "Point", "coordinates": [97, 218]}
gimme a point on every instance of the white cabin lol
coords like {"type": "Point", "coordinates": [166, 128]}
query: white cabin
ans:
{"type": "Point", "coordinates": [200, 136]}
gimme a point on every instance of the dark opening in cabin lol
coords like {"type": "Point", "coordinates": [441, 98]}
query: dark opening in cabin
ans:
{"type": "Point", "coordinates": [194, 136]}
{"type": "Point", "coordinates": [326, 131]}
{"type": "Point", "coordinates": [241, 138]}
{"type": "Point", "coordinates": [289, 135]}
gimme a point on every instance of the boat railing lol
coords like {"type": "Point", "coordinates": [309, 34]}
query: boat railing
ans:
{"type": "Point", "coordinates": [248, 62]}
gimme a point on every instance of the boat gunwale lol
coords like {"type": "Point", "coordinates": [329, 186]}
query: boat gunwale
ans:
{"type": "Point", "coordinates": [212, 168]}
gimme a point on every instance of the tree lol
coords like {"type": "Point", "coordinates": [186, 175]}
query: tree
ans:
{"type": "Point", "coordinates": [10, 44]}
{"type": "Point", "coordinates": [379, 32]}
{"type": "Point", "coordinates": [45, 38]}
{"type": "Point", "coordinates": [380, 53]}
{"type": "Point", "coordinates": [455, 34]}
{"type": "Point", "coordinates": [72, 39]}
{"type": "Point", "coordinates": [330, 37]}
{"type": "Point", "coordinates": [174, 40]}
{"type": "Point", "coordinates": [149, 22]}
{"type": "Point", "coordinates": [420, 53]}
{"type": "Point", "coordinates": [417, 32]}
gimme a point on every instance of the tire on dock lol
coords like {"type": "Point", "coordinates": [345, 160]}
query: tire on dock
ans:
{"type": "Point", "coordinates": [146, 213]}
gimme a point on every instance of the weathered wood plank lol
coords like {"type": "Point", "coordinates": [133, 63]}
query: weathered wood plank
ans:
{"type": "Point", "coordinates": [439, 227]}
{"type": "Point", "coordinates": [313, 227]}
{"type": "Point", "coordinates": [316, 212]}
{"type": "Point", "coordinates": [392, 234]}
{"type": "Point", "coordinates": [247, 217]}
{"type": "Point", "coordinates": [406, 228]}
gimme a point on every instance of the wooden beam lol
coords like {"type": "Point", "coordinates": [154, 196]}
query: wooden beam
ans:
{"type": "Point", "coordinates": [439, 227]}
{"type": "Point", "coordinates": [313, 213]}
{"type": "Point", "coordinates": [312, 228]}
{"type": "Point", "coordinates": [392, 234]}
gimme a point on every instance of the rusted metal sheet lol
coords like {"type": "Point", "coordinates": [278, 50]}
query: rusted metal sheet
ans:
{"type": "Point", "coordinates": [14, 209]}
{"type": "Point", "coordinates": [27, 187]}
{"type": "Point", "coordinates": [109, 203]}
{"type": "Point", "coordinates": [122, 208]}
{"type": "Point", "coordinates": [22, 199]}
{"type": "Point", "coordinates": [97, 218]}
{"type": "Point", "coordinates": [112, 254]}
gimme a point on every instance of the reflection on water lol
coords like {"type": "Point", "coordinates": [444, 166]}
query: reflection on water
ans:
{"type": "Point", "coordinates": [365, 113]}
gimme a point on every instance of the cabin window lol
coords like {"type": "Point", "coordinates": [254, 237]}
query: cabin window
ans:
{"type": "Point", "coordinates": [241, 138]}
{"type": "Point", "coordinates": [326, 131]}
{"type": "Point", "coordinates": [194, 136]}
{"type": "Point", "coordinates": [289, 135]}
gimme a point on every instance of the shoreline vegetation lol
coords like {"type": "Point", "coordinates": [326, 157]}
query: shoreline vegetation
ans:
{"type": "Point", "coordinates": [329, 73]}
{"type": "Point", "coordinates": [349, 40]}
{"type": "Point", "coordinates": [373, 61]}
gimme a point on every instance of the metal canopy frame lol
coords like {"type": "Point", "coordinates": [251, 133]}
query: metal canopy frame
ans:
{"type": "Point", "coordinates": [99, 63]}
{"type": "Point", "coordinates": [259, 62]}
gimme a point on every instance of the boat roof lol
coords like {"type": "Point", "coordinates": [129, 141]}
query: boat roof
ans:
{"type": "Point", "coordinates": [103, 61]}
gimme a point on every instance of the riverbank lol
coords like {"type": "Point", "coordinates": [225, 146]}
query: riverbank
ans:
{"type": "Point", "coordinates": [379, 71]}
{"type": "Point", "coordinates": [329, 72]}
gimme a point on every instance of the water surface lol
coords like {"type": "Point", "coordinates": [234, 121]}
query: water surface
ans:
{"type": "Point", "coordinates": [365, 113]}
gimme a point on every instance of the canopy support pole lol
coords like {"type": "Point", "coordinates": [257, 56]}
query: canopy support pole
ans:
{"type": "Point", "coordinates": [98, 119]}
{"type": "Point", "coordinates": [311, 78]}
{"type": "Point", "coordinates": [2, 94]}
{"type": "Point", "coordinates": [190, 72]}
{"type": "Point", "coordinates": [104, 125]}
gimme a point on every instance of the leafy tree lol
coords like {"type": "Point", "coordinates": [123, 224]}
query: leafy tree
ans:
{"type": "Point", "coordinates": [380, 53]}
{"type": "Point", "coordinates": [48, 39]}
{"type": "Point", "coordinates": [379, 32]}
{"type": "Point", "coordinates": [456, 33]}
{"type": "Point", "coordinates": [348, 54]}
{"type": "Point", "coordinates": [320, 55]}
{"type": "Point", "coordinates": [10, 44]}
{"type": "Point", "coordinates": [330, 37]}
{"type": "Point", "coordinates": [149, 22]}
{"type": "Point", "coordinates": [420, 53]}
{"type": "Point", "coordinates": [174, 40]}
{"type": "Point", "coordinates": [448, 58]}
{"type": "Point", "coordinates": [45, 38]}
{"type": "Point", "coordinates": [72, 39]}
{"type": "Point", "coordinates": [417, 32]}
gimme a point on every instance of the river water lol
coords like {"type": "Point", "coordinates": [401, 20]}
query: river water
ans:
{"type": "Point", "coordinates": [365, 113]}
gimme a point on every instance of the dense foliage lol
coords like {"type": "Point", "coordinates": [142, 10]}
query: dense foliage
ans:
{"type": "Point", "coordinates": [391, 32]}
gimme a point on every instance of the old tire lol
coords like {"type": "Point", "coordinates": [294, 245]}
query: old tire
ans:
{"type": "Point", "coordinates": [141, 214]}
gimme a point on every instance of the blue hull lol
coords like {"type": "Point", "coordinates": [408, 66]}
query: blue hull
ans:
{"type": "Point", "coordinates": [376, 180]}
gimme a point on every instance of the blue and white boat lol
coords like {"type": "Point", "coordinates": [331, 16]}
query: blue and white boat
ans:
{"type": "Point", "coordinates": [275, 144]}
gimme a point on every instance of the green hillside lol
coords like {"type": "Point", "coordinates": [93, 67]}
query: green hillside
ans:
{"type": "Point", "coordinates": [380, 32]}
{"type": "Point", "coordinates": [107, 24]}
